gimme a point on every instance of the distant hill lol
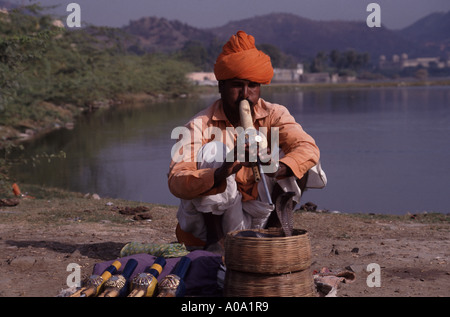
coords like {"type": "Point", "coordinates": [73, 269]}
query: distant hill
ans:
{"type": "Point", "coordinates": [160, 34]}
{"type": "Point", "coordinates": [432, 32]}
{"type": "Point", "coordinates": [433, 27]}
{"type": "Point", "coordinates": [303, 37]}
{"type": "Point", "coordinates": [6, 5]}
{"type": "Point", "coordinates": [296, 36]}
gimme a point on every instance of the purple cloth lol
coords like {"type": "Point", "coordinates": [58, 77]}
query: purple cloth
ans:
{"type": "Point", "coordinates": [200, 279]}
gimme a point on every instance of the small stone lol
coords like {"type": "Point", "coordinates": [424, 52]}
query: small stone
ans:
{"type": "Point", "coordinates": [76, 254]}
{"type": "Point", "coordinates": [24, 262]}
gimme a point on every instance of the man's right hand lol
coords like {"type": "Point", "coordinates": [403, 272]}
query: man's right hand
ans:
{"type": "Point", "coordinates": [230, 168]}
{"type": "Point", "coordinates": [227, 169]}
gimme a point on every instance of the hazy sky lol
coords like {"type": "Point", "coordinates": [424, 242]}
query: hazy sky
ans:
{"type": "Point", "coordinates": [395, 14]}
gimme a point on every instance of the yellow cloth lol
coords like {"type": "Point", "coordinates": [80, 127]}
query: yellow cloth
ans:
{"type": "Point", "coordinates": [241, 59]}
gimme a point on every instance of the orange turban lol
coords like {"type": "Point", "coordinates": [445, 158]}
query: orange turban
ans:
{"type": "Point", "coordinates": [241, 59]}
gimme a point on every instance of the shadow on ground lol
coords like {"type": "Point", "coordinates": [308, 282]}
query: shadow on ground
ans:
{"type": "Point", "coordinates": [101, 251]}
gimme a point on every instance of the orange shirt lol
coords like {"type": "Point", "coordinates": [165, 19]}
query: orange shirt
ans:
{"type": "Point", "coordinates": [188, 182]}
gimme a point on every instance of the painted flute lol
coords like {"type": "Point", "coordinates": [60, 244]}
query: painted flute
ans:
{"type": "Point", "coordinates": [117, 285]}
{"type": "Point", "coordinates": [173, 285]}
{"type": "Point", "coordinates": [95, 282]}
{"type": "Point", "coordinates": [144, 284]}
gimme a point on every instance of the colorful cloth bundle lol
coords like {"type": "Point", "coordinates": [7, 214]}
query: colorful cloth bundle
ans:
{"type": "Point", "coordinates": [166, 250]}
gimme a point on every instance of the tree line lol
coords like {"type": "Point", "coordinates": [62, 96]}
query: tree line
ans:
{"type": "Point", "coordinates": [344, 63]}
{"type": "Point", "coordinates": [203, 56]}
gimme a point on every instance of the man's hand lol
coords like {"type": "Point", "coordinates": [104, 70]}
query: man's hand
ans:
{"type": "Point", "coordinates": [227, 169]}
{"type": "Point", "coordinates": [282, 172]}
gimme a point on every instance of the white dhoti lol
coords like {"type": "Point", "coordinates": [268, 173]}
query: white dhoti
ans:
{"type": "Point", "coordinates": [237, 215]}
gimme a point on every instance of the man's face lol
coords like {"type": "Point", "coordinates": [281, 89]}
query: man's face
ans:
{"type": "Point", "coordinates": [232, 91]}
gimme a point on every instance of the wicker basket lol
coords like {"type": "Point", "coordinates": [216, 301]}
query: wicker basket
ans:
{"type": "Point", "coordinates": [268, 255]}
{"type": "Point", "coordinates": [244, 284]}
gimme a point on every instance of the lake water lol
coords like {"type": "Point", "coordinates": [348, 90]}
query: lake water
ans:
{"type": "Point", "coordinates": [384, 150]}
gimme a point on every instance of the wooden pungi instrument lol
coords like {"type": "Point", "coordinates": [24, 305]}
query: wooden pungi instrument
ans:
{"type": "Point", "coordinates": [117, 285]}
{"type": "Point", "coordinates": [245, 114]}
{"type": "Point", "coordinates": [95, 282]}
{"type": "Point", "coordinates": [144, 284]}
{"type": "Point", "coordinates": [284, 200]}
{"type": "Point", "coordinates": [173, 284]}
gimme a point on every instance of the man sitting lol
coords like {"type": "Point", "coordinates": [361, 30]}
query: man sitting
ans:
{"type": "Point", "coordinates": [219, 195]}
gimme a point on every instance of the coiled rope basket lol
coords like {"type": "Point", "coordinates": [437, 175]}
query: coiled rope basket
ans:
{"type": "Point", "coordinates": [268, 266]}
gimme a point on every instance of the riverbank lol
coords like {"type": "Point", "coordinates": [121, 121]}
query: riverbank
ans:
{"type": "Point", "coordinates": [65, 117]}
{"type": "Point", "coordinates": [40, 236]}
{"type": "Point", "coordinates": [401, 82]}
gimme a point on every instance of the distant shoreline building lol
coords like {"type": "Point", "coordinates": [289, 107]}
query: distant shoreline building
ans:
{"type": "Point", "coordinates": [287, 75]}
{"type": "Point", "coordinates": [280, 76]}
{"type": "Point", "coordinates": [402, 61]}
{"type": "Point", "coordinates": [203, 78]}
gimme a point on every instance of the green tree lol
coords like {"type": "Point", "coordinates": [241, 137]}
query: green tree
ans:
{"type": "Point", "coordinates": [278, 58]}
{"type": "Point", "coordinates": [319, 63]}
{"type": "Point", "coordinates": [40, 62]}
{"type": "Point", "coordinates": [336, 59]}
{"type": "Point", "coordinates": [24, 40]}
{"type": "Point", "coordinates": [195, 53]}
{"type": "Point", "coordinates": [350, 60]}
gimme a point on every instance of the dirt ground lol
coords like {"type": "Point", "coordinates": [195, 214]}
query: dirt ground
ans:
{"type": "Point", "coordinates": [40, 237]}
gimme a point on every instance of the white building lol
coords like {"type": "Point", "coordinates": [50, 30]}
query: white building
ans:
{"type": "Point", "coordinates": [287, 75]}
{"type": "Point", "coordinates": [203, 78]}
{"type": "Point", "coordinates": [402, 61]}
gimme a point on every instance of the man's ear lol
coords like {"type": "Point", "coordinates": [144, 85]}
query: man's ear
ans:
{"type": "Point", "coordinates": [221, 82]}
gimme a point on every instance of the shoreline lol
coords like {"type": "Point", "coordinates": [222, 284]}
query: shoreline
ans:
{"type": "Point", "coordinates": [34, 192]}
{"type": "Point", "coordinates": [32, 130]}
{"type": "Point", "coordinates": [401, 82]}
